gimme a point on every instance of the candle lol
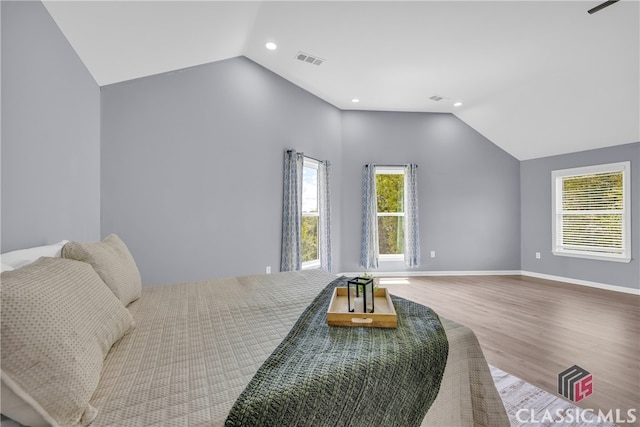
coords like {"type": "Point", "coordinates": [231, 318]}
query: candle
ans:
{"type": "Point", "coordinates": [359, 303]}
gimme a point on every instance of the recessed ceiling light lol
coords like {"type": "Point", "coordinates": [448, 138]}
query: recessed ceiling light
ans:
{"type": "Point", "coordinates": [355, 100]}
{"type": "Point", "coordinates": [271, 46]}
{"type": "Point", "coordinates": [457, 104]}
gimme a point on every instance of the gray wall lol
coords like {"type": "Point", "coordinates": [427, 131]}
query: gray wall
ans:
{"type": "Point", "coordinates": [535, 179]}
{"type": "Point", "coordinates": [50, 134]}
{"type": "Point", "coordinates": [469, 200]}
{"type": "Point", "coordinates": [192, 167]}
{"type": "Point", "coordinates": [187, 168]}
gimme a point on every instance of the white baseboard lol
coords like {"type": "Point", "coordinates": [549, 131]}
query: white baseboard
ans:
{"type": "Point", "coordinates": [436, 273]}
{"type": "Point", "coordinates": [568, 280]}
{"type": "Point", "coordinates": [583, 283]}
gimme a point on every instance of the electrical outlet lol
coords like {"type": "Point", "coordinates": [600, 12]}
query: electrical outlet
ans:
{"type": "Point", "coordinates": [433, 254]}
{"type": "Point", "coordinates": [537, 255]}
{"type": "Point", "coordinates": [268, 269]}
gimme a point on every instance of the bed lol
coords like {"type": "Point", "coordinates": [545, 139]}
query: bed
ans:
{"type": "Point", "coordinates": [187, 351]}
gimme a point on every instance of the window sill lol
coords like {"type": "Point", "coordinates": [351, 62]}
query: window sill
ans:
{"type": "Point", "coordinates": [592, 256]}
{"type": "Point", "coordinates": [389, 257]}
{"type": "Point", "coordinates": [310, 265]}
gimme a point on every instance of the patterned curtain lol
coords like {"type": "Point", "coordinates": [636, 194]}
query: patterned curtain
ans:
{"type": "Point", "coordinates": [324, 212]}
{"type": "Point", "coordinates": [411, 229]}
{"type": "Point", "coordinates": [292, 212]}
{"type": "Point", "coordinates": [369, 235]}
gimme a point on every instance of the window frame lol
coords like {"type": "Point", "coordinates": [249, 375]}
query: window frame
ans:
{"type": "Point", "coordinates": [557, 177]}
{"type": "Point", "coordinates": [314, 164]}
{"type": "Point", "coordinates": [390, 170]}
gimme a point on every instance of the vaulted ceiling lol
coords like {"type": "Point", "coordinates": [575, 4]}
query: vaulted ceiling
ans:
{"type": "Point", "coordinates": [537, 78]}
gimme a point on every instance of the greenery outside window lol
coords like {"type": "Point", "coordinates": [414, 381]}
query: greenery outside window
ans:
{"type": "Point", "coordinates": [390, 205]}
{"type": "Point", "coordinates": [310, 214]}
{"type": "Point", "coordinates": [591, 212]}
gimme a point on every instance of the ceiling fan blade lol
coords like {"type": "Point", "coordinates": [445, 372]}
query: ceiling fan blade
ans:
{"type": "Point", "coordinates": [601, 6]}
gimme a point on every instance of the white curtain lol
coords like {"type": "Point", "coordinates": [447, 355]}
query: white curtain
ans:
{"type": "Point", "coordinates": [292, 212]}
{"type": "Point", "coordinates": [411, 228]}
{"type": "Point", "coordinates": [369, 234]}
{"type": "Point", "coordinates": [324, 212]}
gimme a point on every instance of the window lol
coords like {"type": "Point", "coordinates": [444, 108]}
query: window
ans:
{"type": "Point", "coordinates": [310, 217]}
{"type": "Point", "coordinates": [591, 211]}
{"type": "Point", "coordinates": [390, 204]}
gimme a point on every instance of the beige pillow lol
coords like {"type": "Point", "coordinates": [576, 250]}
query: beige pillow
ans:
{"type": "Point", "coordinates": [59, 320]}
{"type": "Point", "coordinates": [114, 264]}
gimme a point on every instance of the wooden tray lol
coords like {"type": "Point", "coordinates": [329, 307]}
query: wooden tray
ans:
{"type": "Point", "coordinates": [384, 316]}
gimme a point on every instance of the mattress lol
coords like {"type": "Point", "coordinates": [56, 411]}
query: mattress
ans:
{"type": "Point", "coordinates": [197, 345]}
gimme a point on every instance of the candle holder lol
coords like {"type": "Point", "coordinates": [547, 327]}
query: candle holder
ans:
{"type": "Point", "coordinates": [360, 295]}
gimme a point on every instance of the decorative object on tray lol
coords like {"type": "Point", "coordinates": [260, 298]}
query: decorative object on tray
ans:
{"type": "Point", "coordinates": [340, 311]}
{"type": "Point", "coordinates": [376, 280]}
{"type": "Point", "coordinates": [360, 295]}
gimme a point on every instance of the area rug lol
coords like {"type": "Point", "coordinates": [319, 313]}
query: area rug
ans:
{"type": "Point", "coordinates": [528, 405]}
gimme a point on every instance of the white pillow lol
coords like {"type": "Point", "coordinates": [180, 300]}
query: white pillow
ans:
{"type": "Point", "coordinates": [59, 321]}
{"type": "Point", "coordinates": [4, 267]}
{"type": "Point", "coordinates": [16, 259]}
{"type": "Point", "coordinates": [114, 264]}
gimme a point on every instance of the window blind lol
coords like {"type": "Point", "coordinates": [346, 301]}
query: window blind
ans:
{"type": "Point", "coordinates": [590, 212]}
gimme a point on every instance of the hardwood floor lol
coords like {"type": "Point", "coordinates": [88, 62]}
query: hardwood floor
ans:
{"type": "Point", "coordinates": [535, 329]}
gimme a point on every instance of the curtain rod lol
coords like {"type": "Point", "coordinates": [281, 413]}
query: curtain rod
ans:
{"type": "Point", "coordinates": [389, 166]}
{"type": "Point", "coordinates": [309, 157]}
{"type": "Point", "coordinates": [313, 158]}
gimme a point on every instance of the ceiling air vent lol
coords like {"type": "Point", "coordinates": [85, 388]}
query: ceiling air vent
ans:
{"type": "Point", "coordinates": [309, 59]}
{"type": "Point", "coordinates": [436, 98]}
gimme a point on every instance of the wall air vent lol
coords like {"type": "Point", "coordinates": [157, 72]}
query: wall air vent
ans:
{"type": "Point", "coordinates": [309, 59]}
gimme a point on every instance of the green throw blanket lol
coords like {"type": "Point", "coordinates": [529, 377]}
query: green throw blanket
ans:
{"type": "Point", "coordinates": [332, 376]}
